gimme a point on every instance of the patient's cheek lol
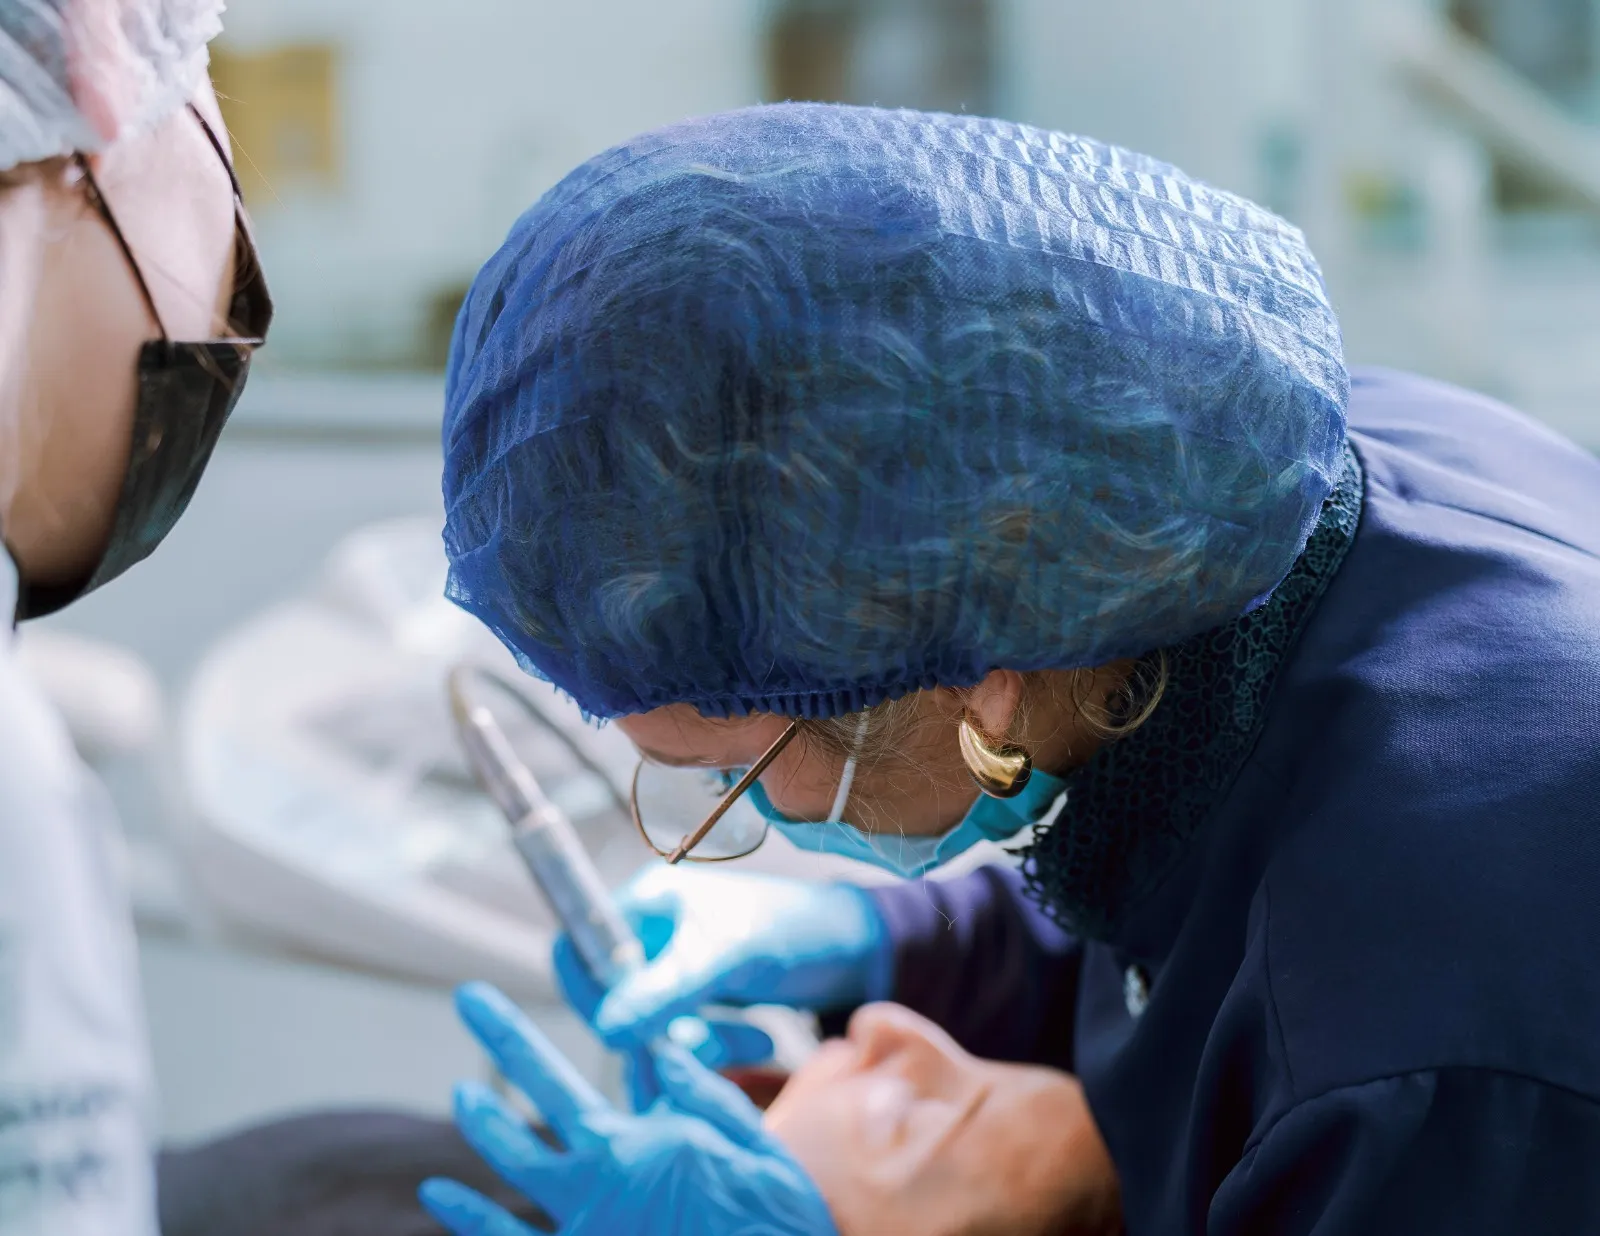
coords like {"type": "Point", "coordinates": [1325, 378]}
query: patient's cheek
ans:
{"type": "Point", "coordinates": [885, 1103]}
{"type": "Point", "coordinates": [1062, 1176]}
{"type": "Point", "coordinates": [806, 1099]}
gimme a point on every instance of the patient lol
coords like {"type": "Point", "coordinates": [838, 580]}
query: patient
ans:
{"type": "Point", "coordinates": [903, 1131]}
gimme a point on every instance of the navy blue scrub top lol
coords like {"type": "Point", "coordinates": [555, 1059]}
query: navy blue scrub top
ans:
{"type": "Point", "coordinates": [1353, 985]}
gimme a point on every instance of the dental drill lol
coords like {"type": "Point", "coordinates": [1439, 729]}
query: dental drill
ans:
{"type": "Point", "coordinates": [546, 840]}
{"type": "Point", "coordinates": [571, 883]}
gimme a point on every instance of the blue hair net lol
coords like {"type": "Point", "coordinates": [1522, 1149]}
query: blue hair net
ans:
{"type": "Point", "coordinates": [799, 408]}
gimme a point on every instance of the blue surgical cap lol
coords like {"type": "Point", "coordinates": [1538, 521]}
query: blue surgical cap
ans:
{"type": "Point", "coordinates": [799, 408]}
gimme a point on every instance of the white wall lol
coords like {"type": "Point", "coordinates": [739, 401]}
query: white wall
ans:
{"type": "Point", "coordinates": [1201, 83]}
{"type": "Point", "coordinates": [455, 118]}
{"type": "Point", "coordinates": [1210, 84]}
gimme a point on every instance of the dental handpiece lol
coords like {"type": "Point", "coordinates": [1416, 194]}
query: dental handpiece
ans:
{"type": "Point", "coordinates": [563, 870]}
{"type": "Point", "coordinates": [549, 847]}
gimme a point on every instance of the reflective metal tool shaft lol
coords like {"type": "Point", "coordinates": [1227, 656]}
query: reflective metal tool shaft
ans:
{"type": "Point", "coordinates": [548, 844]}
{"type": "Point", "coordinates": [570, 880]}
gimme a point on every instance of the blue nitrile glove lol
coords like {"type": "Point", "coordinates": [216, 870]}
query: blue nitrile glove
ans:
{"type": "Point", "coordinates": [725, 937]}
{"type": "Point", "coordinates": [716, 1044]}
{"type": "Point", "coordinates": [698, 1162]}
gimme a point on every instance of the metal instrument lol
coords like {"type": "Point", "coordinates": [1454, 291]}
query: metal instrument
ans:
{"type": "Point", "coordinates": [540, 830]}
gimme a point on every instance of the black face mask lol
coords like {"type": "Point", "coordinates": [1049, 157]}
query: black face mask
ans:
{"type": "Point", "coordinates": [186, 393]}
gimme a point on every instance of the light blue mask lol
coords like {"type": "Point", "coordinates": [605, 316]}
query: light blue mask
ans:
{"type": "Point", "coordinates": [988, 819]}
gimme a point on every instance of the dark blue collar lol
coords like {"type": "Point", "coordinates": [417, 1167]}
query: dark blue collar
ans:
{"type": "Point", "coordinates": [1132, 810]}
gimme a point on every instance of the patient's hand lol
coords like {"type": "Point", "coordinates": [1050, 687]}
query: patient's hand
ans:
{"type": "Point", "coordinates": [903, 1131]}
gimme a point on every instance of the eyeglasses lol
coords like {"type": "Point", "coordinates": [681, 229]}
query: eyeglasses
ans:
{"type": "Point", "coordinates": [730, 826]}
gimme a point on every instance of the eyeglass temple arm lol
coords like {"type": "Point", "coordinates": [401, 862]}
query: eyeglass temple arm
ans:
{"type": "Point", "coordinates": [733, 795]}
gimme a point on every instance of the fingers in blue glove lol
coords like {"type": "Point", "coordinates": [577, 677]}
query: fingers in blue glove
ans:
{"type": "Point", "coordinates": [639, 1079]}
{"type": "Point", "coordinates": [531, 1063]}
{"type": "Point", "coordinates": [719, 1044]}
{"type": "Point", "coordinates": [695, 1090]}
{"type": "Point", "coordinates": [728, 1044]}
{"type": "Point", "coordinates": [716, 1044]}
{"type": "Point", "coordinates": [579, 988]}
{"type": "Point", "coordinates": [643, 1004]}
{"type": "Point", "coordinates": [651, 904]}
{"type": "Point", "coordinates": [557, 1181]}
{"type": "Point", "coordinates": [468, 1213]}
{"type": "Point", "coordinates": [747, 939]}
{"type": "Point", "coordinates": [702, 1140]}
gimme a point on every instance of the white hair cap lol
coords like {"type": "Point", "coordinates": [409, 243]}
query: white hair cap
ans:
{"type": "Point", "coordinates": [76, 75]}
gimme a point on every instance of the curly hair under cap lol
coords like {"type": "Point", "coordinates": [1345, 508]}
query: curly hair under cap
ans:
{"type": "Point", "coordinates": [802, 408]}
{"type": "Point", "coordinates": [885, 733]}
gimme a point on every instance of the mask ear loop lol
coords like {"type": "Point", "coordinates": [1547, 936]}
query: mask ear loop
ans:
{"type": "Point", "coordinates": [848, 777]}
{"type": "Point", "coordinates": [97, 201]}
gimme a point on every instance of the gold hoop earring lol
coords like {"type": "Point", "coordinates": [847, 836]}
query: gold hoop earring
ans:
{"type": "Point", "coordinates": [1000, 772]}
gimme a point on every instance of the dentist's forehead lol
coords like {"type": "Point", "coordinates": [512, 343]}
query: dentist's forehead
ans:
{"type": "Point", "coordinates": [679, 736]}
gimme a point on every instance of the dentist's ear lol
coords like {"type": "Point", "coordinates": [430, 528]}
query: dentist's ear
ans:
{"type": "Point", "coordinates": [994, 703]}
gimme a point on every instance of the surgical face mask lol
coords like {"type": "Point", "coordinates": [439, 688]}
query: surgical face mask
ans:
{"type": "Point", "coordinates": [186, 393]}
{"type": "Point", "coordinates": [988, 819]}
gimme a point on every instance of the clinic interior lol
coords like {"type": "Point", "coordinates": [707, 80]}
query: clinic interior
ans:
{"type": "Point", "coordinates": [276, 743]}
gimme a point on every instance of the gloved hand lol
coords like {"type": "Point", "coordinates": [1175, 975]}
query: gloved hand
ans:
{"type": "Point", "coordinates": [717, 1044]}
{"type": "Point", "coordinates": [698, 1162]}
{"type": "Point", "coordinates": [724, 937]}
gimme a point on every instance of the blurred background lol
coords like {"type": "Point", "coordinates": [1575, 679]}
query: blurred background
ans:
{"type": "Point", "coordinates": [1442, 155]}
